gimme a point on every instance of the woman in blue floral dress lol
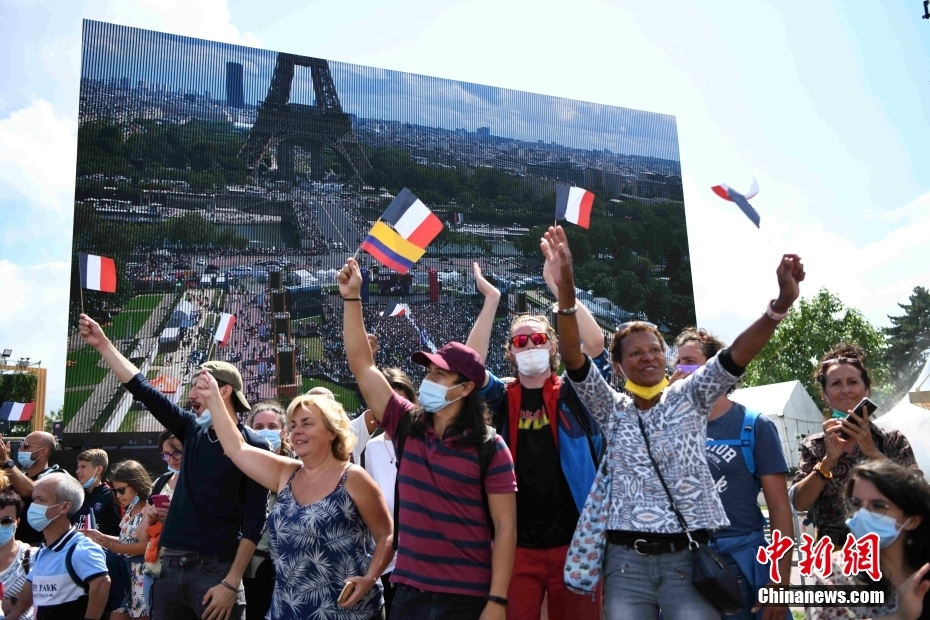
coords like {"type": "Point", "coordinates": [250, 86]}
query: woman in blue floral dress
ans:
{"type": "Point", "coordinates": [330, 530]}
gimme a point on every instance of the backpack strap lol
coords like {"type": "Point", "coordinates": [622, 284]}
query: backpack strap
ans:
{"type": "Point", "coordinates": [486, 451]}
{"type": "Point", "coordinates": [72, 573]}
{"type": "Point", "coordinates": [400, 438]}
{"type": "Point", "coordinates": [746, 440]}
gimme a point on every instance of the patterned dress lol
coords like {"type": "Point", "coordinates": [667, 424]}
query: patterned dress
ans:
{"type": "Point", "coordinates": [128, 534]}
{"type": "Point", "coordinates": [314, 548]}
{"type": "Point", "coordinates": [14, 577]}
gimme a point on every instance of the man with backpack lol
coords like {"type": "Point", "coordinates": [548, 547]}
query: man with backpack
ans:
{"type": "Point", "coordinates": [69, 577]}
{"type": "Point", "coordinates": [745, 455]}
{"type": "Point", "coordinates": [555, 446]}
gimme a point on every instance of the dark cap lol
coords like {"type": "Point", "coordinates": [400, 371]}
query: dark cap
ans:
{"type": "Point", "coordinates": [228, 374]}
{"type": "Point", "coordinates": [456, 357]}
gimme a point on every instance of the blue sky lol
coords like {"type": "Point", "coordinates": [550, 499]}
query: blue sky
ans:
{"type": "Point", "coordinates": [825, 103]}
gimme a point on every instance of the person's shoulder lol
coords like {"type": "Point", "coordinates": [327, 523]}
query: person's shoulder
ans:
{"type": "Point", "coordinates": [253, 438]}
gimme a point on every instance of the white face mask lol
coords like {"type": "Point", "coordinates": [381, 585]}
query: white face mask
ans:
{"type": "Point", "coordinates": [533, 362]}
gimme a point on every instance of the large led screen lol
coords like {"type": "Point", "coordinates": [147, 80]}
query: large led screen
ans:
{"type": "Point", "coordinates": [227, 180]}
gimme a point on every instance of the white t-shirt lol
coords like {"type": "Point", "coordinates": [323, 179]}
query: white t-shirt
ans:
{"type": "Point", "coordinates": [381, 464]}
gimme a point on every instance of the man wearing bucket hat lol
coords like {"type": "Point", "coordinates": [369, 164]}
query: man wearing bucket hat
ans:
{"type": "Point", "coordinates": [216, 515]}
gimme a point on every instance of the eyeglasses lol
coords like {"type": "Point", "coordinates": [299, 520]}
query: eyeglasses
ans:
{"type": "Point", "coordinates": [174, 454]}
{"type": "Point", "coordinates": [120, 490]}
{"type": "Point", "coordinates": [841, 360]}
{"type": "Point", "coordinates": [521, 340]}
{"type": "Point", "coordinates": [7, 520]}
{"type": "Point", "coordinates": [877, 506]}
{"type": "Point", "coordinates": [28, 448]}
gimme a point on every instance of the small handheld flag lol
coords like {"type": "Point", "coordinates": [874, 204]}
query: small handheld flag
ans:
{"type": "Point", "coordinates": [573, 204]}
{"type": "Point", "coordinates": [224, 329]}
{"type": "Point", "coordinates": [742, 200]}
{"type": "Point", "coordinates": [398, 310]}
{"type": "Point", "coordinates": [17, 412]}
{"type": "Point", "coordinates": [400, 236]}
{"type": "Point", "coordinates": [98, 273]}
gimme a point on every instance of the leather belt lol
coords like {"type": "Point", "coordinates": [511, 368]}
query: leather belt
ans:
{"type": "Point", "coordinates": [649, 543]}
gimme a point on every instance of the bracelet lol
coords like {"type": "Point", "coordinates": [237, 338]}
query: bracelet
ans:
{"type": "Point", "coordinates": [775, 316]}
{"type": "Point", "coordinates": [500, 600]}
{"type": "Point", "coordinates": [351, 299]}
{"type": "Point", "coordinates": [226, 583]}
{"type": "Point", "coordinates": [566, 311]}
{"type": "Point", "coordinates": [826, 475]}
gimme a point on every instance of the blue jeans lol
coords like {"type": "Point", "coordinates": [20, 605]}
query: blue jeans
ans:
{"type": "Point", "coordinates": [638, 586]}
{"type": "Point", "coordinates": [415, 604]}
{"type": "Point", "coordinates": [185, 578]}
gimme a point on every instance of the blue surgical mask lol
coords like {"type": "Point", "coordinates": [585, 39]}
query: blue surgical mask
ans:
{"type": "Point", "coordinates": [90, 481]}
{"type": "Point", "coordinates": [205, 419]}
{"type": "Point", "coordinates": [25, 459]}
{"type": "Point", "coordinates": [866, 522]}
{"type": "Point", "coordinates": [36, 516]}
{"type": "Point", "coordinates": [838, 415]}
{"type": "Point", "coordinates": [6, 533]}
{"type": "Point", "coordinates": [272, 435]}
{"type": "Point", "coordinates": [173, 470]}
{"type": "Point", "coordinates": [432, 395]}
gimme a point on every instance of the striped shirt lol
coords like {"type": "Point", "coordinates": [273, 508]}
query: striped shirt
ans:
{"type": "Point", "coordinates": [444, 539]}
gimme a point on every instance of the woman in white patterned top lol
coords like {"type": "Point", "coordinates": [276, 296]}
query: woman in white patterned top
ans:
{"type": "Point", "coordinates": [647, 564]}
{"type": "Point", "coordinates": [16, 557]}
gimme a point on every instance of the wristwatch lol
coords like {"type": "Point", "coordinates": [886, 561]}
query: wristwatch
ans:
{"type": "Point", "coordinates": [9, 464]}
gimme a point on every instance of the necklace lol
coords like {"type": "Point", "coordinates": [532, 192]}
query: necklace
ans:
{"type": "Point", "coordinates": [388, 450]}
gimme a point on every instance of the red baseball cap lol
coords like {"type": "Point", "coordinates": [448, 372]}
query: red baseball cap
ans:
{"type": "Point", "coordinates": [455, 357]}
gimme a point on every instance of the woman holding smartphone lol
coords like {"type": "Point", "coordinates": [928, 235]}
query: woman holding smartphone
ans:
{"type": "Point", "coordinates": [848, 438]}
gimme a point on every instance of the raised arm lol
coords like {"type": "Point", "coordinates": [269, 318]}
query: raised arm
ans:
{"type": "Point", "coordinates": [371, 383]}
{"type": "Point", "coordinates": [591, 334]}
{"type": "Point", "coordinates": [790, 273]}
{"type": "Point", "coordinates": [480, 336]}
{"type": "Point", "coordinates": [554, 247]}
{"type": "Point", "coordinates": [93, 335]}
{"type": "Point", "coordinates": [263, 466]}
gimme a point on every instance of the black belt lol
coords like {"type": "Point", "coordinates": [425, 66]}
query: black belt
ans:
{"type": "Point", "coordinates": [648, 543]}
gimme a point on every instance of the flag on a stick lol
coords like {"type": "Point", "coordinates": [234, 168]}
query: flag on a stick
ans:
{"type": "Point", "coordinates": [224, 329]}
{"type": "Point", "coordinates": [573, 204]}
{"type": "Point", "coordinates": [398, 310]}
{"type": "Point", "coordinates": [400, 236]}
{"type": "Point", "coordinates": [98, 273]}
{"type": "Point", "coordinates": [17, 412]}
{"type": "Point", "coordinates": [742, 200]}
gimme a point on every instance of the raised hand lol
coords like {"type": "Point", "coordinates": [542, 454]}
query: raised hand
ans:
{"type": "Point", "coordinates": [91, 331]}
{"type": "Point", "coordinates": [790, 273]}
{"type": "Point", "coordinates": [482, 285]}
{"type": "Point", "coordinates": [350, 279]}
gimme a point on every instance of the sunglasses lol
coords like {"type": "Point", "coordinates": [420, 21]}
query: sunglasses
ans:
{"type": "Point", "coordinates": [841, 360]}
{"type": "Point", "coordinates": [623, 326]}
{"type": "Point", "coordinates": [7, 520]}
{"type": "Point", "coordinates": [520, 340]}
{"type": "Point", "coordinates": [119, 490]}
{"type": "Point", "coordinates": [174, 454]}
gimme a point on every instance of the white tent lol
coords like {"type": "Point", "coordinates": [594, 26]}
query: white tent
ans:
{"type": "Point", "coordinates": [305, 277]}
{"type": "Point", "coordinates": [913, 421]}
{"type": "Point", "coordinates": [790, 407]}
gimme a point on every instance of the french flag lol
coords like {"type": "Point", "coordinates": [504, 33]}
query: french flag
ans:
{"type": "Point", "coordinates": [17, 412]}
{"type": "Point", "coordinates": [398, 310]}
{"type": "Point", "coordinates": [573, 204]}
{"type": "Point", "coordinates": [742, 200]}
{"type": "Point", "coordinates": [98, 273]}
{"type": "Point", "coordinates": [224, 328]}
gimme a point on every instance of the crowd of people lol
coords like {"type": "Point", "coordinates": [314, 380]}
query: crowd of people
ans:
{"type": "Point", "coordinates": [491, 490]}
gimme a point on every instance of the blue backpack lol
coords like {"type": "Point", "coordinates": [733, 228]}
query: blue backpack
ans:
{"type": "Point", "coordinates": [746, 440]}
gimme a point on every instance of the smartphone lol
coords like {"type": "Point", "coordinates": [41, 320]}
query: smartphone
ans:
{"type": "Point", "coordinates": [346, 592]}
{"type": "Point", "coordinates": [865, 408]}
{"type": "Point", "coordinates": [160, 501]}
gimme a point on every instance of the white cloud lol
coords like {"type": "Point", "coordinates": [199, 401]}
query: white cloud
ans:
{"type": "Point", "coordinates": [33, 319]}
{"type": "Point", "coordinates": [207, 19]}
{"type": "Point", "coordinates": [37, 154]}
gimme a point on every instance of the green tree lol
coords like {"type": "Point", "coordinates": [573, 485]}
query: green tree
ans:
{"type": "Point", "coordinates": [909, 340]}
{"type": "Point", "coordinates": [812, 327]}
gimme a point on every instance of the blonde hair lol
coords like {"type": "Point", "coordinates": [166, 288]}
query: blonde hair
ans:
{"type": "Point", "coordinates": [334, 418]}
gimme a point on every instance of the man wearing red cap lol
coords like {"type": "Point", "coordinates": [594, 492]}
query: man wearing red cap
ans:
{"type": "Point", "coordinates": [446, 564]}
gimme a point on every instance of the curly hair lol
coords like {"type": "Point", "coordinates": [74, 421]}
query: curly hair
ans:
{"type": "Point", "coordinates": [616, 343]}
{"type": "Point", "coordinates": [9, 497]}
{"type": "Point", "coordinates": [334, 418]}
{"type": "Point", "coordinates": [547, 327]}
{"type": "Point", "coordinates": [709, 343]}
{"type": "Point", "coordinates": [842, 353]}
{"type": "Point", "coordinates": [133, 473]}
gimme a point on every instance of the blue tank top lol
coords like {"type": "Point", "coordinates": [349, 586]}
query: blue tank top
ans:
{"type": "Point", "coordinates": [314, 548]}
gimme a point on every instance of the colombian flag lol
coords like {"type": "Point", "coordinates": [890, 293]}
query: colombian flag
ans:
{"type": "Point", "coordinates": [400, 236]}
{"type": "Point", "coordinates": [98, 273]}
